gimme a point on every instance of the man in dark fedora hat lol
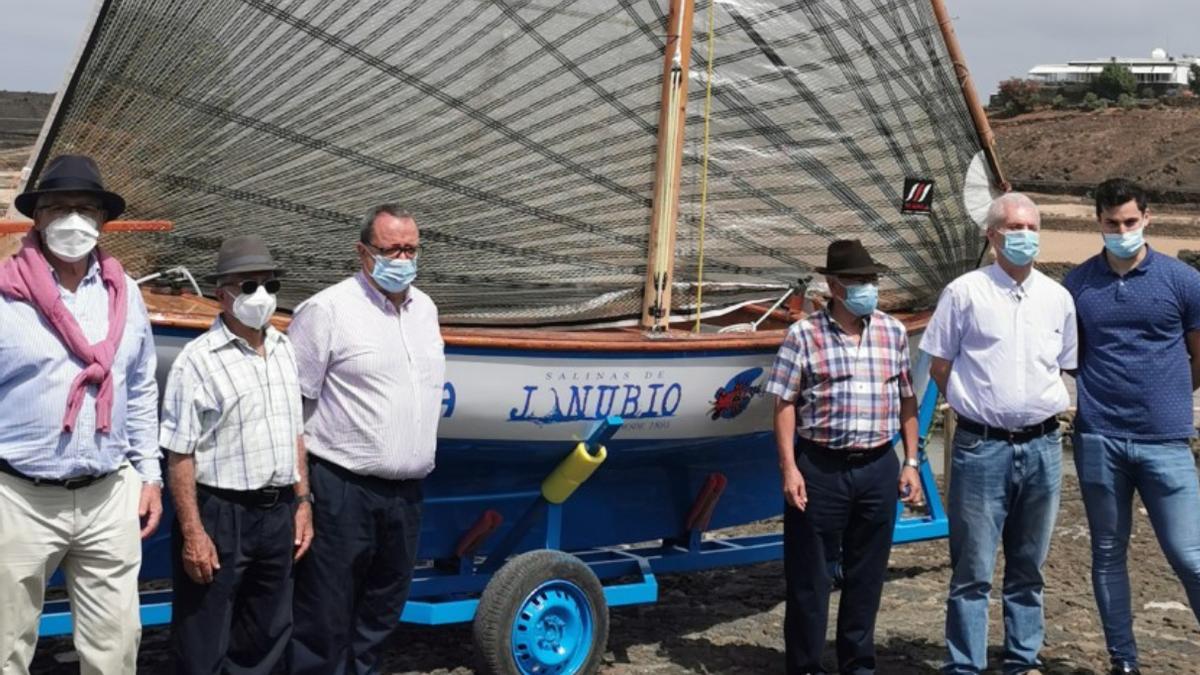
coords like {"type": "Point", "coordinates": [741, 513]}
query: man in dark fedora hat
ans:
{"type": "Point", "coordinates": [79, 459]}
{"type": "Point", "coordinates": [844, 390]}
{"type": "Point", "coordinates": [232, 425]}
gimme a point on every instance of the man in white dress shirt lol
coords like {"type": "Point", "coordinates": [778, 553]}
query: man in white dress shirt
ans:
{"type": "Point", "coordinates": [1000, 338]}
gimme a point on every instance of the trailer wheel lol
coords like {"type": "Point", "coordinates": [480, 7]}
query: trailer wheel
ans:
{"type": "Point", "coordinates": [543, 613]}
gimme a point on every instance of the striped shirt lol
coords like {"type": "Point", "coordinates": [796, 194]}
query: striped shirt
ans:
{"type": "Point", "coordinates": [847, 395]}
{"type": "Point", "coordinates": [236, 411]}
{"type": "Point", "coordinates": [36, 372]}
{"type": "Point", "coordinates": [373, 377]}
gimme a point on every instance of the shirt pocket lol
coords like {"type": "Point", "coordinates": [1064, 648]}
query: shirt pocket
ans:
{"type": "Point", "coordinates": [1047, 345]}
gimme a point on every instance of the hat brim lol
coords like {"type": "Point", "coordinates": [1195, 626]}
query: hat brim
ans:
{"type": "Point", "coordinates": [863, 269]}
{"type": "Point", "coordinates": [112, 203]}
{"type": "Point", "coordinates": [249, 267]}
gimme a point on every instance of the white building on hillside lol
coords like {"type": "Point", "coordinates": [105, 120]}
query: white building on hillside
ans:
{"type": "Point", "coordinates": [1160, 70]}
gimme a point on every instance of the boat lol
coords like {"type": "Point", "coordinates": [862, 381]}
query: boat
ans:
{"type": "Point", "coordinates": [621, 205]}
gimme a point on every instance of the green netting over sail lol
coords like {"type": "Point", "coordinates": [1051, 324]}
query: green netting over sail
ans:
{"type": "Point", "coordinates": [522, 134]}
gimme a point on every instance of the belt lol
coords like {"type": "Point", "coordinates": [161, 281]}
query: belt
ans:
{"type": "Point", "coordinates": [1019, 435]}
{"type": "Point", "coordinates": [262, 498]}
{"type": "Point", "coordinates": [68, 483]}
{"type": "Point", "coordinates": [364, 479]}
{"type": "Point", "coordinates": [847, 455]}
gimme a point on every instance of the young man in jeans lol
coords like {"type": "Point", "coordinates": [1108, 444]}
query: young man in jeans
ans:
{"type": "Point", "coordinates": [1000, 338]}
{"type": "Point", "coordinates": [1139, 320]}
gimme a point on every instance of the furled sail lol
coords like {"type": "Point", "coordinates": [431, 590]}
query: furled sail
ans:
{"type": "Point", "coordinates": [522, 134]}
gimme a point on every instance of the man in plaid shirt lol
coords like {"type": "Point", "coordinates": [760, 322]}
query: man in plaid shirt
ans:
{"type": "Point", "coordinates": [844, 389]}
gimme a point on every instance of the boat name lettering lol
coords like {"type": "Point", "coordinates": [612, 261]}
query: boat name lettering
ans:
{"type": "Point", "coordinates": [603, 376]}
{"type": "Point", "coordinates": [573, 403]}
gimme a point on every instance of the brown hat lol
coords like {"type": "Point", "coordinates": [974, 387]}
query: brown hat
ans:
{"type": "Point", "coordinates": [70, 173]}
{"type": "Point", "coordinates": [849, 256]}
{"type": "Point", "coordinates": [244, 253]}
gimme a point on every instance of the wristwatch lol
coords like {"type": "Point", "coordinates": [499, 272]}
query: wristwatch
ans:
{"type": "Point", "coordinates": [914, 463]}
{"type": "Point", "coordinates": [305, 498]}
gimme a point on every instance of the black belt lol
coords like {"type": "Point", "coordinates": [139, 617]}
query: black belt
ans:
{"type": "Point", "coordinates": [1019, 435]}
{"type": "Point", "coordinates": [847, 455]}
{"type": "Point", "coordinates": [68, 483]}
{"type": "Point", "coordinates": [262, 498]}
{"type": "Point", "coordinates": [363, 479]}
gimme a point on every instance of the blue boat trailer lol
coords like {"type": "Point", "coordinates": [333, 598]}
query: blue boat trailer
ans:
{"type": "Point", "coordinates": [545, 610]}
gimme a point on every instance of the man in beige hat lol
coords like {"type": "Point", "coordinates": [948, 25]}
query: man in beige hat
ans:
{"type": "Point", "coordinates": [231, 424]}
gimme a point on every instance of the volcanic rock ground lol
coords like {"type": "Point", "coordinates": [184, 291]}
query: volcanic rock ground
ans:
{"type": "Point", "coordinates": [730, 621]}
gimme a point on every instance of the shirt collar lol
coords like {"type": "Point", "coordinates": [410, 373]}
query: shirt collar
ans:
{"type": "Point", "coordinates": [92, 274]}
{"type": "Point", "coordinates": [377, 297]}
{"type": "Point", "coordinates": [1142, 267]}
{"type": "Point", "coordinates": [827, 314]}
{"type": "Point", "coordinates": [1001, 279]}
{"type": "Point", "coordinates": [227, 337]}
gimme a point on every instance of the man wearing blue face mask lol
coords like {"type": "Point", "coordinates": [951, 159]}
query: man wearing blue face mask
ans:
{"type": "Point", "coordinates": [1000, 338]}
{"type": "Point", "coordinates": [843, 391]}
{"type": "Point", "coordinates": [371, 362]}
{"type": "Point", "coordinates": [1139, 362]}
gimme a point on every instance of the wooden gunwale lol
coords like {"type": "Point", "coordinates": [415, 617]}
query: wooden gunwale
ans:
{"type": "Point", "coordinates": [189, 312]}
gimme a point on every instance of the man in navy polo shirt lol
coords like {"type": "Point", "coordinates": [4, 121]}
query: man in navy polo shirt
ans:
{"type": "Point", "coordinates": [1139, 362]}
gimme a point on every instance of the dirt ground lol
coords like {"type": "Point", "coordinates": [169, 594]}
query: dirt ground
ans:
{"type": "Point", "coordinates": [730, 621]}
{"type": "Point", "coordinates": [1158, 147]}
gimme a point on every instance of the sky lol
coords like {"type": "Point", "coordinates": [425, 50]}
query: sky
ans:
{"type": "Point", "coordinates": [1001, 39]}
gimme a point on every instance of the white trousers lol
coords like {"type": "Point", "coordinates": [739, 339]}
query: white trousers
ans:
{"type": "Point", "coordinates": [93, 534]}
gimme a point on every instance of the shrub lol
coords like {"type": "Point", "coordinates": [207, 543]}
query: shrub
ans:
{"type": "Point", "coordinates": [1126, 102]}
{"type": "Point", "coordinates": [1019, 96]}
{"type": "Point", "coordinates": [1059, 102]}
{"type": "Point", "coordinates": [1194, 77]}
{"type": "Point", "coordinates": [1115, 80]}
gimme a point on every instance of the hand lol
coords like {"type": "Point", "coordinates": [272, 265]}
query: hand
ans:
{"type": "Point", "coordinates": [910, 487]}
{"type": "Point", "coordinates": [794, 491]}
{"type": "Point", "coordinates": [304, 529]}
{"type": "Point", "coordinates": [150, 508]}
{"type": "Point", "coordinates": [200, 560]}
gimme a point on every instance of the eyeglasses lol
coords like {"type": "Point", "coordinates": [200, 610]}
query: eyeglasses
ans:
{"type": "Point", "coordinates": [58, 210]}
{"type": "Point", "coordinates": [397, 251]}
{"type": "Point", "coordinates": [250, 286]}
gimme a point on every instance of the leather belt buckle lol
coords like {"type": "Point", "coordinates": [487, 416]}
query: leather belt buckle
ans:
{"type": "Point", "coordinates": [271, 496]}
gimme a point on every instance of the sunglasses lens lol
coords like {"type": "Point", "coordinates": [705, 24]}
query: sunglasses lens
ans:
{"type": "Point", "coordinates": [250, 286]}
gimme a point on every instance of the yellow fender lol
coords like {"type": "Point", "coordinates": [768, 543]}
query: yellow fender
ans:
{"type": "Point", "coordinates": [571, 472]}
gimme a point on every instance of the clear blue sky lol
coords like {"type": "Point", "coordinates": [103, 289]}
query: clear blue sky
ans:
{"type": "Point", "coordinates": [1001, 39]}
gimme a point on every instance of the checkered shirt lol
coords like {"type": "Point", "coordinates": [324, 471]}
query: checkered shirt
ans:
{"type": "Point", "coordinates": [847, 396]}
{"type": "Point", "coordinates": [238, 413]}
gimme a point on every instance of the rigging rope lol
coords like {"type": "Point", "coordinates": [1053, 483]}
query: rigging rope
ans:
{"type": "Point", "coordinates": [712, 10]}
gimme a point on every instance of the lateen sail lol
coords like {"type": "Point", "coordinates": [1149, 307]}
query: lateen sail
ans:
{"type": "Point", "coordinates": [523, 135]}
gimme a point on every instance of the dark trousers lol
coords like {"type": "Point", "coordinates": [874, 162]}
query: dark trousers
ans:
{"type": "Point", "coordinates": [240, 623]}
{"type": "Point", "coordinates": [853, 503]}
{"type": "Point", "coordinates": [351, 587]}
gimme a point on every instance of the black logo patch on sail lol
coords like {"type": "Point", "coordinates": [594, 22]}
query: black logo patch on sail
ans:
{"type": "Point", "coordinates": [918, 196]}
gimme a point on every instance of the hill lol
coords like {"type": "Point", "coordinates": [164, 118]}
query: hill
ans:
{"type": "Point", "coordinates": [1055, 151]}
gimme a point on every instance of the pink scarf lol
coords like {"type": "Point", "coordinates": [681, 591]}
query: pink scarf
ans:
{"type": "Point", "coordinates": [26, 277]}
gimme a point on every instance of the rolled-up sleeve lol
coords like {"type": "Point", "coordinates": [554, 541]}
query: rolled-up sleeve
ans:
{"type": "Point", "coordinates": [311, 334]}
{"type": "Point", "coordinates": [141, 417]}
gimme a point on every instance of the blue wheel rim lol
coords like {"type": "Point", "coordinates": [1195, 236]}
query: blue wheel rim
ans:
{"type": "Point", "coordinates": [553, 631]}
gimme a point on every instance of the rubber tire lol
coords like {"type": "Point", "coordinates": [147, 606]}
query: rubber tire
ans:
{"type": "Point", "coordinates": [507, 591]}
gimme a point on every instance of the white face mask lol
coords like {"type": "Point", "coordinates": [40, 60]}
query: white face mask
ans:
{"type": "Point", "coordinates": [71, 237]}
{"type": "Point", "coordinates": [256, 309]}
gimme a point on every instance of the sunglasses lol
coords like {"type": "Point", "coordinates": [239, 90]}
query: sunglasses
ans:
{"type": "Point", "coordinates": [250, 286]}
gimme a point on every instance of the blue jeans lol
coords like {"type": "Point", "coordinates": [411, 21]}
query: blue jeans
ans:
{"type": "Point", "coordinates": [1164, 474]}
{"type": "Point", "coordinates": [1007, 493]}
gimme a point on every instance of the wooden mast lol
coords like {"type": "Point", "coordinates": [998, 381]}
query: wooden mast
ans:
{"type": "Point", "coordinates": [984, 129]}
{"type": "Point", "coordinates": [656, 300]}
